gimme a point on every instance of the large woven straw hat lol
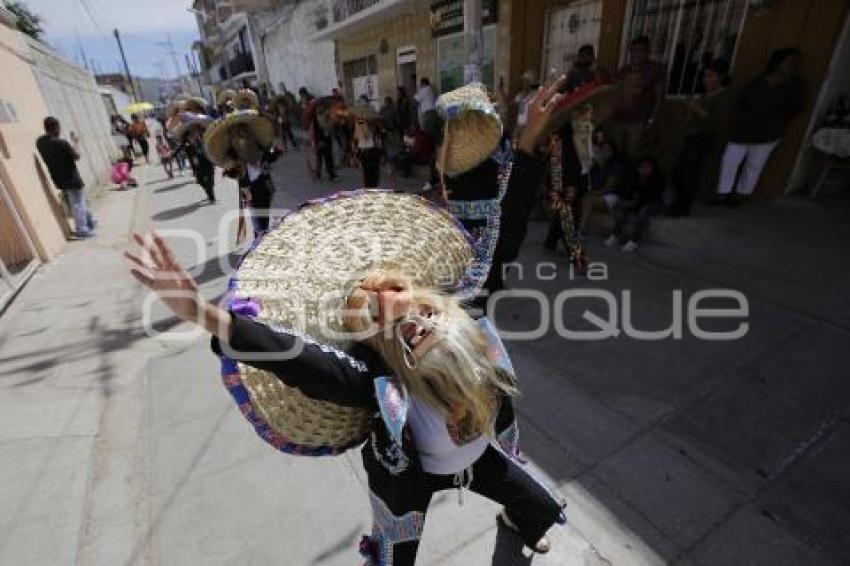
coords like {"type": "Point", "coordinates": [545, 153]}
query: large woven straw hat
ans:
{"type": "Point", "coordinates": [225, 96]}
{"type": "Point", "coordinates": [246, 99]}
{"type": "Point", "coordinates": [193, 105]}
{"type": "Point", "coordinates": [298, 278]}
{"type": "Point", "coordinates": [216, 139]}
{"type": "Point", "coordinates": [180, 125]}
{"type": "Point", "coordinates": [473, 128]}
{"type": "Point", "coordinates": [604, 98]}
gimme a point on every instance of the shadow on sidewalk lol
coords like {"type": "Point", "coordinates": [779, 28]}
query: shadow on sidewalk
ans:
{"type": "Point", "coordinates": [178, 212]}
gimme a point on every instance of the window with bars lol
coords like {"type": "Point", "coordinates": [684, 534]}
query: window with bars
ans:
{"type": "Point", "coordinates": [685, 34]}
{"type": "Point", "coordinates": [568, 28]}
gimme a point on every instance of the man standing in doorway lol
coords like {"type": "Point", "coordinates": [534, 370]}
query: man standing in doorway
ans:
{"type": "Point", "coordinates": [642, 92]}
{"type": "Point", "coordinates": [429, 122]}
{"type": "Point", "coordinates": [61, 159]}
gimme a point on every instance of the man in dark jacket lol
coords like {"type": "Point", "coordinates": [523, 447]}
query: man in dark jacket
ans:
{"type": "Point", "coordinates": [61, 159]}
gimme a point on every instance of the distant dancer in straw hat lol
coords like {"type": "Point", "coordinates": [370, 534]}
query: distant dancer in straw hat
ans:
{"type": "Point", "coordinates": [243, 145]}
{"type": "Point", "coordinates": [367, 143]}
{"type": "Point", "coordinates": [189, 133]}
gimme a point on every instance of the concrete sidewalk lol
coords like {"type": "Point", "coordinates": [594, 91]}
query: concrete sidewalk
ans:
{"type": "Point", "coordinates": [125, 449]}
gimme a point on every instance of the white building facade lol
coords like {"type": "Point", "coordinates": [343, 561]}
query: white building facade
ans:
{"type": "Point", "coordinates": [290, 58]}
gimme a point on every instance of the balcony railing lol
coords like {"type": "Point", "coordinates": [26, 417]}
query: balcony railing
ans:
{"type": "Point", "coordinates": [344, 9]}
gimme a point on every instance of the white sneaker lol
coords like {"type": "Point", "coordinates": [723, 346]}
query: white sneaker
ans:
{"type": "Point", "coordinates": [630, 246]}
{"type": "Point", "coordinates": [611, 241]}
{"type": "Point", "coordinates": [426, 188]}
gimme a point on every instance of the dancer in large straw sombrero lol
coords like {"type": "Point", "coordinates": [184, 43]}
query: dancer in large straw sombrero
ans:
{"type": "Point", "coordinates": [344, 326]}
{"type": "Point", "coordinates": [188, 128]}
{"type": "Point", "coordinates": [243, 145]}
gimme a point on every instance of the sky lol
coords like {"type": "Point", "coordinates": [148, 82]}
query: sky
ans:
{"type": "Point", "coordinates": [85, 26]}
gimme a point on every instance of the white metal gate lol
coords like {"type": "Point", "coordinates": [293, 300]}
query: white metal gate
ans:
{"type": "Point", "coordinates": [568, 28]}
{"type": "Point", "coordinates": [18, 257]}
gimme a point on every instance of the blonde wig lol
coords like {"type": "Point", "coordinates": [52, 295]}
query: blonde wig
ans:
{"type": "Point", "coordinates": [455, 376]}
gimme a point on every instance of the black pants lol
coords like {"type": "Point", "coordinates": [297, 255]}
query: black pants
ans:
{"type": "Point", "coordinates": [641, 213]}
{"type": "Point", "coordinates": [325, 152]}
{"type": "Point", "coordinates": [528, 504]}
{"type": "Point", "coordinates": [261, 201]}
{"type": "Point", "coordinates": [205, 176]}
{"type": "Point", "coordinates": [143, 143]}
{"type": "Point", "coordinates": [286, 134]}
{"type": "Point", "coordinates": [432, 126]}
{"type": "Point", "coordinates": [687, 172]}
{"type": "Point", "coordinates": [370, 160]}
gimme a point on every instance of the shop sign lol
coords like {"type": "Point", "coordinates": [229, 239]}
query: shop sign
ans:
{"type": "Point", "coordinates": [447, 15]}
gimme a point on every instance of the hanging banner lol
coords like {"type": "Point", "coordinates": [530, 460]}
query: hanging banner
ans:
{"type": "Point", "coordinates": [447, 15]}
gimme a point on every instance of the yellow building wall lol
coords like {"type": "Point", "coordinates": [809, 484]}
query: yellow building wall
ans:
{"type": "Point", "coordinates": [414, 29]}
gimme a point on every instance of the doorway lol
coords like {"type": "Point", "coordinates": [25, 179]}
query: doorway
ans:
{"type": "Point", "coordinates": [406, 69]}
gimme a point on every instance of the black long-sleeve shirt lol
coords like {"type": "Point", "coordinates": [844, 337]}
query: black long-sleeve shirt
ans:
{"type": "Point", "coordinates": [317, 370]}
{"type": "Point", "coordinates": [764, 110]}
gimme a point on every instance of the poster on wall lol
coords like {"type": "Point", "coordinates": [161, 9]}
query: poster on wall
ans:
{"type": "Point", "coordinates": [366, 86]}
{"type": "Point", "coordinates": [447, 15]}
{"type": "Point", "coordinates": [451, 56]}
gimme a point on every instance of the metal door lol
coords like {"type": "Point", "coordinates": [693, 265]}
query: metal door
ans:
{"type": "Point", "coordinates": [18, 257]}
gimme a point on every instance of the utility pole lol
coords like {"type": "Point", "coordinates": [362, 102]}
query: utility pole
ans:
{"type": "Point", "coordinates": [193, 72]}
{"type": "Point", "coordinates": [169, 45]}
{"type": "Point", "coordinates": [126, 67]}
{"type": "Point", "coordinates": [473, 41]}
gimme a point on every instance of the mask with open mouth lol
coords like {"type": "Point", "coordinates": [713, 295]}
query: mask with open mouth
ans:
{"type": "Point", "coordinates": [417, 333]}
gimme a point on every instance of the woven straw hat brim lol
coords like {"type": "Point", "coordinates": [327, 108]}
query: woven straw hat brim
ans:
{"type": "Point", "coordinates": [182, 129]}
{"type": "Point", "coordinates": [469, 145]}
{"type": "Point", "coordinates": [225, 96]}
{"type": "Point", "coordinates": [300, 275]}
{"type": "Point", "coordinates": [216, 139]}
{"type": "Point", "coordinates": [246, 100]}
{"type": "Point", "coordinates": [474, 128]}
{"type": "Point", "coordinates": [603, 98]}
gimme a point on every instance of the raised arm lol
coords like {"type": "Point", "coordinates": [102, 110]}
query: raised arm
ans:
{"type": "Point", "coordinates": [319, 371]}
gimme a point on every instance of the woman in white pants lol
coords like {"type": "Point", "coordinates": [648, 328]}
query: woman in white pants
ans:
{"type": "Point", "coordinates": [765, 108]}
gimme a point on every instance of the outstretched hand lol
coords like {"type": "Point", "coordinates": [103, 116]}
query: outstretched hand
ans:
{"type": "Point", "coordinates": [158, 270]}
{"type": "Point", "coordinates": [540, 112]}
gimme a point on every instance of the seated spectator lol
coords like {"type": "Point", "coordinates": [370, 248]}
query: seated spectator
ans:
{"type": "Point", "coordinates": [637, 199]}
{"type": "Point", "coordinates": [121, 171]}
{"type": "Point", "coordinates": [605, 174]}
